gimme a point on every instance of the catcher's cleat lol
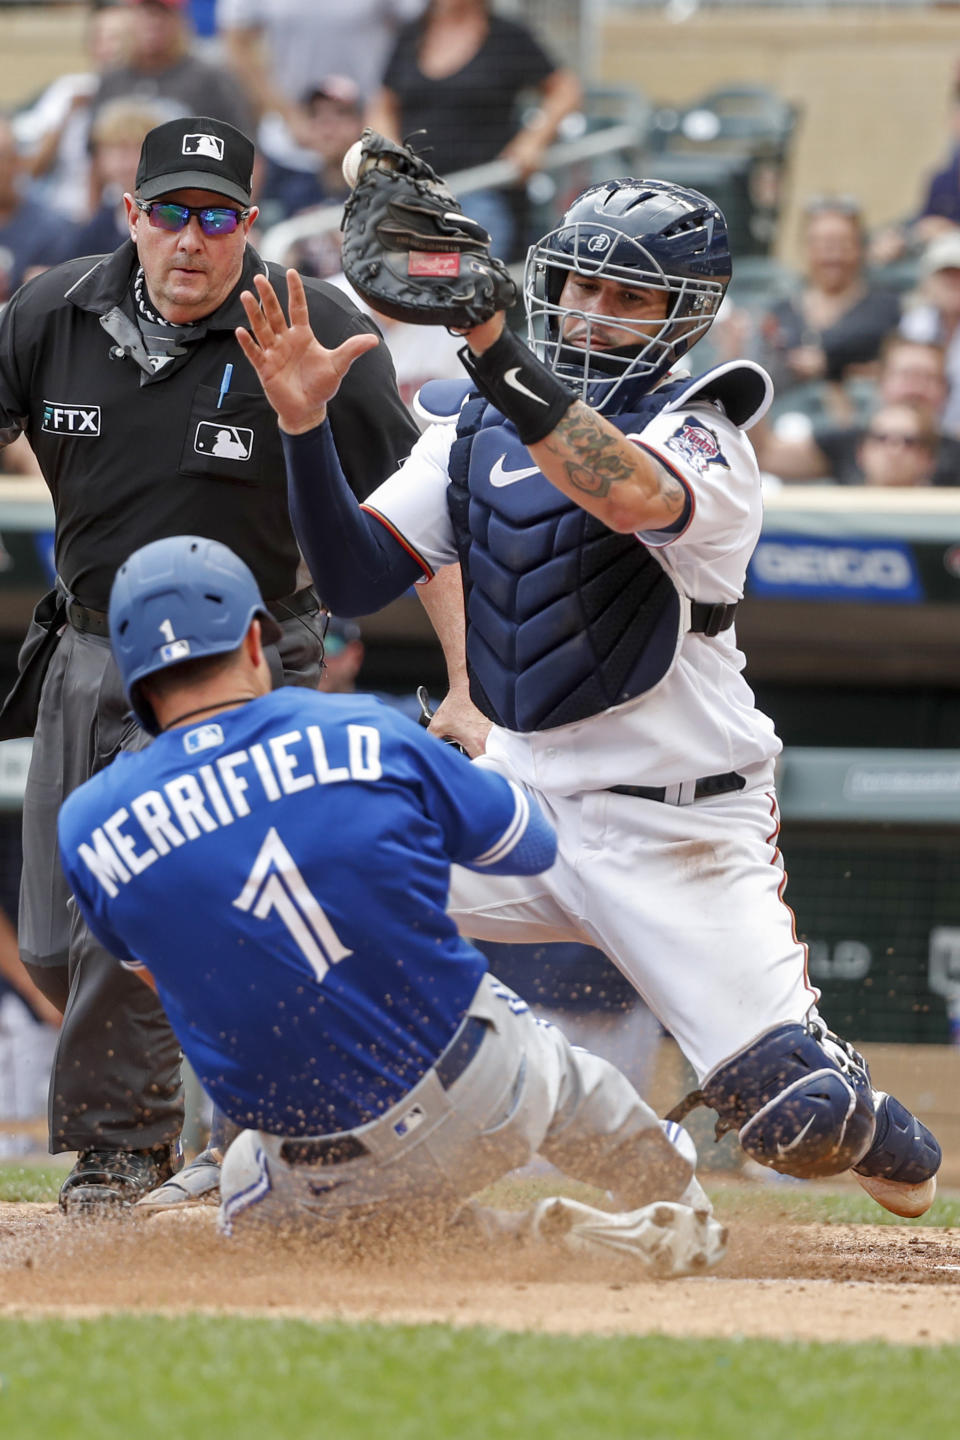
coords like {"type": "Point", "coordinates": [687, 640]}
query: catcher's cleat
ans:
{"type": "Point", "coordinates": [668, 1239]}
{"type": "Point", "coordinates": [104, 1183]}
{"type": "Point", "coordinates": [899, 1196]}
{"type": "Point", "coordinates": [196, 1184]}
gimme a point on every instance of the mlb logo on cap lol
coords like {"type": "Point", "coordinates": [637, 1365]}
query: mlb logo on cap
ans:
{"type": "Point", "coordinates": [196, 153]}
{"type": "Point", "coordinates": [210, 145]}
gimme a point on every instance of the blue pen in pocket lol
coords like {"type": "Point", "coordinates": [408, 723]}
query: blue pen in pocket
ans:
{"type": "Point", "coordinates": [225, 383]}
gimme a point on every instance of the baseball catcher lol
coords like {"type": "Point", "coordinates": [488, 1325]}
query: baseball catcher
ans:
{"type": "Point", "coordinates": [604, 505]}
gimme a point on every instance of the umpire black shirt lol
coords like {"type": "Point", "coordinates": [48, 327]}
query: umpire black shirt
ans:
{"type": "Point", "coordinates": [133, 454]}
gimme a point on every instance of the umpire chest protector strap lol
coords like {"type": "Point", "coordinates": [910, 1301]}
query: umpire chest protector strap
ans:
{"type": "Point", "coordinates": [565, 617]}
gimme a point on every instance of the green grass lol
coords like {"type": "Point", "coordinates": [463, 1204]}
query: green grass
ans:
{"type": "Point", "coordinates": [30, 1182]}
{"type": "Point", "coordinates": [289, 1380]}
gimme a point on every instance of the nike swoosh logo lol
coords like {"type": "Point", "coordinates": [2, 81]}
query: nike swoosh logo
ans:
{"type": "Point", "coordinates": [785, 1149]}
{"type": "Point", "coordinates": [511, 378]}
{"type": "Point", "coordinates": [499, 476]}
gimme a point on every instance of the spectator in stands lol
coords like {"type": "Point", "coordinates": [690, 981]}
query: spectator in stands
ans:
{"type": "Point", "coordinates": [899, 447]}
{"type": "Point", "coordinates": [835, 323]}
{"type": "Point", "coordinates": [457, 75]}
{"type": "Point", "coordinates": [161, 68]}
{"type": "Point", "coordinates": [32, 236]}
{"type": "Point", "coordinates": [939, 213]}
{"type": "Point", "coordinates": [278, 47]}
{"type": "Point", "coordinates": [115, 140]}
{"type": "Point", "coordinates": [934, 315]}
{"type": "Point", "coordinates": [52, 132]}
{"type": "Point", "coordinates": [330, 118]}
{"type": "Point", "coordinates": [911, 373]}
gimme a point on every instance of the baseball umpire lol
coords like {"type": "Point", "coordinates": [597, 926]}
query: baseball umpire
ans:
{"type": "Point", "coordinates": [604, 506]}
{"type": "Point", "coordinates": [277, 866]}
{"type": "Point", "coordinates": [147, 421]}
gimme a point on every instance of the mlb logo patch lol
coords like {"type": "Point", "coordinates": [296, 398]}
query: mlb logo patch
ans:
{"type": "Point", "coordinates": [226, 442]}
{"type": "Point", "coordinates": [62, 419]}
{"type": "Point", "coordinates": [176, 650]}
{"type": "Point", "coordinates": [205, 737]}
{"type": "Point", "coordinates": [415, 1116]}
{"type": "Point", "coordinates": [432, 262]}
{"type": "Point", "coordinates": [210, 145]}
{"type": "Point", "coordinates": [695, 443]}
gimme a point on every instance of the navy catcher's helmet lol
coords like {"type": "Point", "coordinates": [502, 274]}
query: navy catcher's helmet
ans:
{"type": "Point", "coordinates": [180, 599]}
{"type": "Point", "coordinates": [648, 234]}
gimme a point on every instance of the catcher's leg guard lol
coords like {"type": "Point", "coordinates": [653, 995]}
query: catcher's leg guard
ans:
{"type": "Point", "coordinates": [800, 1099]}
{"type": "Point", "coordinates": [900, 1167]}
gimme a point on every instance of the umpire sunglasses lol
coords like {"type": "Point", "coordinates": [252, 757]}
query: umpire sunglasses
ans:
{"type": "Point", "coordinates": [214, 219]}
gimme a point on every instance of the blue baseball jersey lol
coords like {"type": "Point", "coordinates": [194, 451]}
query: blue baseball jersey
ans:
{"type": "Point", "coordinates": [283, 872]}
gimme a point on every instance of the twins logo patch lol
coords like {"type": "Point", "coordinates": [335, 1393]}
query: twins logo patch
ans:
{"type": "Point", "coordinates": [226, 442]}
{"type": "Point", "coordinates": [62, 419]}
{"type": "Point", "coordinates": [210, 145]}
{"type": "Point", "coordinates": [698, 445]}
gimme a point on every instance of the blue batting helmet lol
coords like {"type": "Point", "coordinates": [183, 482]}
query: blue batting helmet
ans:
{"type": "Point", "coordinates": [646, 234]}
{"type": "Point", "coordinates": [180, 599]}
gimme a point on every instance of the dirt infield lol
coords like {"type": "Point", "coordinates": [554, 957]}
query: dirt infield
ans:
{"type": "Point", "coordinates": [786, 1281]}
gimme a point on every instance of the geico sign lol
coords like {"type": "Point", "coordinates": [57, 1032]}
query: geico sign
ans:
{"type": "Point", "coordinates": [878, 568]}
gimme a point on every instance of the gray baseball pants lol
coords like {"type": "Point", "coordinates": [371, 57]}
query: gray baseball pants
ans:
{"type": "Point", "coordinates": [526, 1090]}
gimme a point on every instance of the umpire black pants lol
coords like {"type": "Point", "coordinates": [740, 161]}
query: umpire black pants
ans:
{"type": "Point", "coordinates": [116, 1076]}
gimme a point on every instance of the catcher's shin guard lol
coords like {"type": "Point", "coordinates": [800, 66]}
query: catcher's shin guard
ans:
{"type": "Point", "coordinates": [899, 1170]}
{"type": "Point", "coordinates": [800, 1100]}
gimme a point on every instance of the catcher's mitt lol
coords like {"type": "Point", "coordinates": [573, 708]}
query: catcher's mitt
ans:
{"type": "Point", "coordinates": [408, 248]}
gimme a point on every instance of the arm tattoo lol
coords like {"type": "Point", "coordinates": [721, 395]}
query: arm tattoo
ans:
{"type": "Point", "coordinates": [593, 461]}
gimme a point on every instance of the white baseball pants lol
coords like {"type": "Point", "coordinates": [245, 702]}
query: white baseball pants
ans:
{"type": "Point", "coordinates": [685, 899]}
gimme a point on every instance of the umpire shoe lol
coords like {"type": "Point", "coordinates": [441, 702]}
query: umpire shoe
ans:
{"type": "Point", "coordinates": [103, 1183]}
{"type": "Point", "coordinates": [196, 1184]}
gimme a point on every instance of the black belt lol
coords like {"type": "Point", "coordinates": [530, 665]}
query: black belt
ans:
{"type": "Point", "coordinates": [95, 622]}
{"type": "Point", "coordinates": [335, 1149]}
{"type": "Point", "coordinates": [706, 786]}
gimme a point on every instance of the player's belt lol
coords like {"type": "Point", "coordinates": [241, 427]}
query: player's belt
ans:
{"type": "Point", "coordinates": [686, 791]}
{"type": "Point", "coordinates": [95, 622]}
{"type": "Point", "coordinates": [335, 1149]}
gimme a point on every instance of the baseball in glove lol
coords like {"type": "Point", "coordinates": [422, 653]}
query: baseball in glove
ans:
{"type": "Point", "coordinates": [408, 248]}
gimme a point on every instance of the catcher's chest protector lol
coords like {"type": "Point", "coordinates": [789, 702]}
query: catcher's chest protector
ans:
{"type": "Point", "coordinates": [565, 618]}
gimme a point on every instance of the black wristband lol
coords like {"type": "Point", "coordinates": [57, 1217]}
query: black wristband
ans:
{"type": "Point", "coordinates": [519, 385]}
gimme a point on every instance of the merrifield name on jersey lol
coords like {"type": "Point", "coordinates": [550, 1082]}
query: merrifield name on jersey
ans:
{"type": "Point", "coordinates": [200, 801]}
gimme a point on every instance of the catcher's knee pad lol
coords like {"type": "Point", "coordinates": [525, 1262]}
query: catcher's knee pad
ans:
{"type": "Point", "coordinates": [903, 1148]}
{"type": "Point", "coordinates": [800, 1100]}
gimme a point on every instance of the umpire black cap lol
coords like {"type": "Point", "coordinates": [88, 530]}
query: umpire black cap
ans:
{"type": "Point", "coordinates": [196, 153]}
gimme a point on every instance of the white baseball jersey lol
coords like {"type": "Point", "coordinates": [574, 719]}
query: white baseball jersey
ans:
{"type": "Point", "coordinates": [701, 719]}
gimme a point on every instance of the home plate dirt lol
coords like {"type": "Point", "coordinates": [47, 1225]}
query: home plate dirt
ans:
{"type": "Point", "coordinates": [787, 1281]}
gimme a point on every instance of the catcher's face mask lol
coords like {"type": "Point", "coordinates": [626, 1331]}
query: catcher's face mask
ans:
{"type": "Point", "coordinates": [643, 236]}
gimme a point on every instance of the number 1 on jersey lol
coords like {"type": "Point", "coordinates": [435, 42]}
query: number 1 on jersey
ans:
{"type": "Point", "coordinates": [275, 884]}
